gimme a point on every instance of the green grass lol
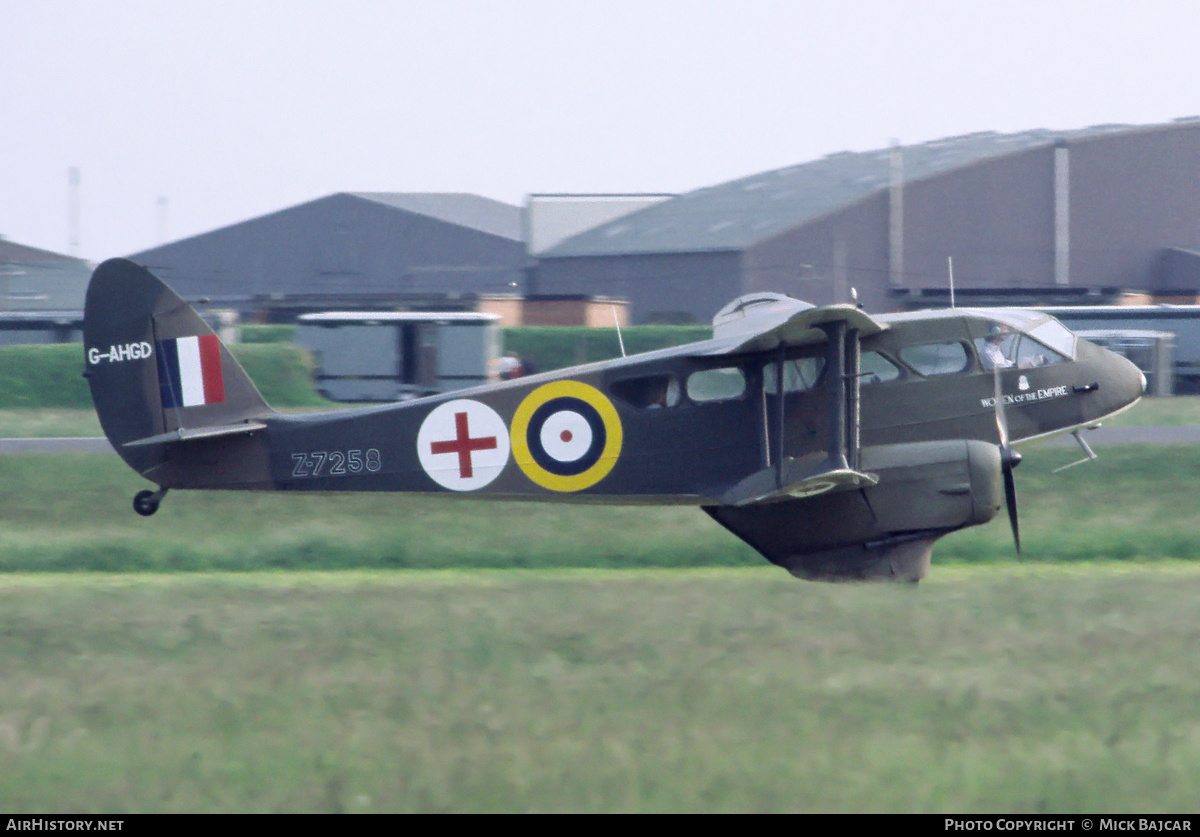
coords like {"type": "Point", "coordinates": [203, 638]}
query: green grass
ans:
{"type": "Point", "coordinates": [50, 423]}
{"type": "Point", "coordinates": [43, 377]}
{"type": "Point", "coordinates": [1063, 683]}
{"type": "Point", "coordinates": [51, 377]}
{"type": "Point", "coordinates": [1183, 410]}
{"type": "Point", "coordinates": [44, 423]}
{"type": "Point", "coordinates": [998, 690]}
{"type": "Point", "coordinates": [282, 373]}
{"type": "Point", "coordinates": [1134, 503]}
{"type": "Point", "coordinates": [274, 333]}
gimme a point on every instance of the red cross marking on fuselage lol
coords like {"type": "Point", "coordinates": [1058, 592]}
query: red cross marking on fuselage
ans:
{"type": "Point", "coordinates": [463, 444]}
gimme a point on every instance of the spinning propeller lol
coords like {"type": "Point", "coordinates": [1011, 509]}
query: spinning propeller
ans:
{"type": "Point", "coordinates": [1009, 459]}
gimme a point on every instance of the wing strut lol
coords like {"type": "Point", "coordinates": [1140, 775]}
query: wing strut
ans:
{"type": "Point", "coordinates": [842, 364]}
{"type": "Point", "coordinates": [836, 468]}
{"type": "Point", "coordinates": [779, 414]}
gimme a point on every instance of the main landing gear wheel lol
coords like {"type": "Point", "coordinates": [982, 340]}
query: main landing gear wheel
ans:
{"type": "Point", "coordinates": [146, 502]}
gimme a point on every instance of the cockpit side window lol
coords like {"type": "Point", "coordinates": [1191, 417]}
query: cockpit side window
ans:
{"type": "Point", "coordinates": [1003, 348]}
{"type": "Point", "coordinates": [1056, 336]}
{"type": "Point", "coordinates": [875, 368]}
{"type": "Point", "coordinates": [1031, 353]}
{"type": "Point", "coordinates": [936, 358]}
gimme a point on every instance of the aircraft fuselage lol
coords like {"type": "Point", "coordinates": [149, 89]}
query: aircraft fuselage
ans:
{"type": "Point", "coordinates": [680, 427]}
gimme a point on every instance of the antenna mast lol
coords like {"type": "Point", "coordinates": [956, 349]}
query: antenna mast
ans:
{"type": "Point", "coordinates": [73, 211]}
{"type": "Point", "coordinates": [950, 271]}
{"type": "Point", "coordinates": [163, 206]}
{"type": "Point", "coordinates": [617, 322]}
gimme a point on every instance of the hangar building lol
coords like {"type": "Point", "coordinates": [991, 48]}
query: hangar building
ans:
{"type": "Point", "coordinates": [1039, 217]}
{"type": "Point", "coordinates": [352, 250]}
{"type": "Point", "coordinates": [41, 294]}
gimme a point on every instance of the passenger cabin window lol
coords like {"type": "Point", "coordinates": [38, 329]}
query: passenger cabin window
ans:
{"type": "Point", "coordinates": [936, 358]}
{"type": "Point", "coordinates": [799, 375]}
{"type": "Point", "coordinates": [647, 392]}
{"type": "Point", "coordinates": [722, 384]}
{"type": "Point", "coordinates": [874, 368]}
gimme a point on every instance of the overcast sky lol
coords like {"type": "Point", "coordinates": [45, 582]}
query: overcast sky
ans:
{"type": "Point", "coordinates": [230, 109]}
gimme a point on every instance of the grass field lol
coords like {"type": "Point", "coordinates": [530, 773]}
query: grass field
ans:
{"type": "Point", "coordinates": [1160, 412]}
{"type": "Point", "coordinates": [34, 378]}
{"type": "Point", "coordinates": [1067, 682]}
{"type": "Point", "coordinates": [45, 423]}
{"type": "Point", "coordinates": [1003, 690]}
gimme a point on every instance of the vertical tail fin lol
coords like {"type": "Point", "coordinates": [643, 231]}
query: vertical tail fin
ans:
{"type": "Point", "coordinates": [157, 372]}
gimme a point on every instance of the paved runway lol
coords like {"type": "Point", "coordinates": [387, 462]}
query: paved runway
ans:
{"type": "Point", "coordinates": [1096, 438]}
{"type": "Point", "coordinates": [60, 444]}
{"type": "Point", "coordinates": [1135, 436]}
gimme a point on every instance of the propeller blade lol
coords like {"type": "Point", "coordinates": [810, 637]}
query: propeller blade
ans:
{"type": "Point", "coordinates": [1010, 496]}
{"type": "Point", "coordinates": [1001, 419]}
{"type": "Point", "coordinates": [1009, 459]}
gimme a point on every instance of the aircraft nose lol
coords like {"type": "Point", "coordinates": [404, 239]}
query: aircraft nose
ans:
{"type": "Point", "coordinates": [1129, 382]}
{"type": "Point", "coordinates": [1117, 381]}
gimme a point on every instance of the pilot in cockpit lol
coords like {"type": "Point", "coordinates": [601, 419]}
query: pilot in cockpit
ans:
{"type": "Point", "coordinates": [992, 348]}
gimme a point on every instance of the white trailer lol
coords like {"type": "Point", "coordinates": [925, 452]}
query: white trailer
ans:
{"type": "Point", "coordinates": [395, 356]}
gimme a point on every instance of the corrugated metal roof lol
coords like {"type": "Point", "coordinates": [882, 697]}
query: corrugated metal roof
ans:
{"type": "Point", "coordinates": [10, 251]}
{"type": "Point", "coordinates": [465, 210]}
{"type": "Point", "coordinates": [39, 280]}
{"type": "Point", "coordinates": [734, 215]}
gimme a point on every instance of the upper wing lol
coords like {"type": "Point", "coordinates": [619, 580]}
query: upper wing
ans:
{"type": "Point", "coordinates": [759, 322]}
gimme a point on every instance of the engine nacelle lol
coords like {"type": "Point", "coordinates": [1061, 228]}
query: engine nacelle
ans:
{"type": "Point", "coordinates": [925, 490]}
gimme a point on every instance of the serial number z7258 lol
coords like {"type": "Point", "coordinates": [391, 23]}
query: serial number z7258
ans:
{"type": "Point", "coordinates": [335, 463]}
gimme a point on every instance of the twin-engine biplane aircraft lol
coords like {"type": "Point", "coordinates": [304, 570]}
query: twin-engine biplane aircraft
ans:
{"type": "Point", "coordinates": [839, 445]}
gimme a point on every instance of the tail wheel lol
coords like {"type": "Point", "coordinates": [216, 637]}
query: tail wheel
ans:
{"type": "Point", "coordinates": [146, 502]}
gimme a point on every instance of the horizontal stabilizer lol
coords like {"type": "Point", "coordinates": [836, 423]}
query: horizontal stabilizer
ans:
{"type": "Point", "coordinates": [766, 486]}
{"type": "Point", "coordinates": [197, 433]}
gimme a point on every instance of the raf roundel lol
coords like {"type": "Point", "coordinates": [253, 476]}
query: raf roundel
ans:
{"type": "Point", "coordinates": [463, 445]}
{"type": "Point", "coordinates": [566, 436]}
